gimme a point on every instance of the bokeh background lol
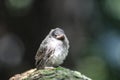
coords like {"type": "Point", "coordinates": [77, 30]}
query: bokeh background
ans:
{"type": "Point", "coordinates": [92, 26]}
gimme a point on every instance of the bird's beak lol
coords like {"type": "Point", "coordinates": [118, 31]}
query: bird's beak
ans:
{"type": "Point", "coordinates": [60, 37]}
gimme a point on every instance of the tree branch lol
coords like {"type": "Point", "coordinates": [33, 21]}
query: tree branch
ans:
{"type": "Point", "coordinates": [58, 73]}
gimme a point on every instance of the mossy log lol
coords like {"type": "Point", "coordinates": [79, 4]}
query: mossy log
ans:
{"type": "Point", "coordinates": [58, 73]}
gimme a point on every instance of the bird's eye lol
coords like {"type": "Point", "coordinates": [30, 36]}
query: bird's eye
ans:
{"type": "Point", "coordinates": [54, 34]}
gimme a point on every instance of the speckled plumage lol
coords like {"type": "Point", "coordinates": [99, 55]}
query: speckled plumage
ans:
{"type": "Point", "coordinates": [53, 49]}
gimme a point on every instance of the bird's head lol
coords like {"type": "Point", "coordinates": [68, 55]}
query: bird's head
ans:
{"type": "Point", "coordinates": [58, 33]}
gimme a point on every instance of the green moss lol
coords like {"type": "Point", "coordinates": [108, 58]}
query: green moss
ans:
{"type": "Point", "coordinates": [58, 73]}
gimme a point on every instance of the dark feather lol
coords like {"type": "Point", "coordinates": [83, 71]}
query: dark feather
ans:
{"type": "Point", "coordinates": [42, 56]}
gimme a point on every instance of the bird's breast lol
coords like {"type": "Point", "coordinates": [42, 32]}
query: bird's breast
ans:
{"type": "Point", "coordinates": [59, 54]}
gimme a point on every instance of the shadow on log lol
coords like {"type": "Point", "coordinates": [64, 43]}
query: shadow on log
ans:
{"type": "Point", "coordinates": [58, 73]}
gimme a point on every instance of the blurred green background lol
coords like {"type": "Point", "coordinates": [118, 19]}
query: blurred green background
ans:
{"type": "Point", "coordinates": [92, 27]}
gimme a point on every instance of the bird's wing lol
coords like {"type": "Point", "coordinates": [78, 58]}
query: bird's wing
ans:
{"type": "Point", "coordinates": [42, 56]}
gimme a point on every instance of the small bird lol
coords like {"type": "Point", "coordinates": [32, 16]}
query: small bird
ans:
{"type": "Point", "coordinates": [53, 49]}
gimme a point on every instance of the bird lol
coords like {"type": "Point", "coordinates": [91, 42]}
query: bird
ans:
{"type": "Point", "coordinates": [52, 50]}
